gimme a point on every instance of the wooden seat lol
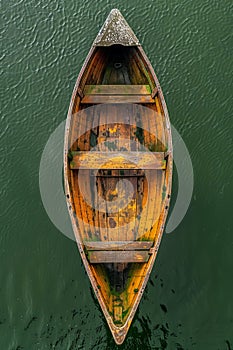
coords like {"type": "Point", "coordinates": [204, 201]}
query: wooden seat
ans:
{"type": "Point", "coordinates": [118, 245]}
{"type": "Point", "coordinates": [118, 252]}
{"type": "Point", "coordinates": [117, 160]}
{"type": "Point", "coordinates": [117, 94]}
{"type": "Point", "coordinates": [132, 256]}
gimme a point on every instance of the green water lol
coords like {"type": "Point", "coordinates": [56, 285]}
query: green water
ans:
{"type": "Point", "coordinates": [46, 301]}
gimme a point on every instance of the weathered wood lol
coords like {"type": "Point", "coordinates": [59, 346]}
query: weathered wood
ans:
{"type": "Point", "coordinates": [154, 92]}
{"type": "Point", "coordinates": [137, 256]}
{"type": "Point", "coordinates": [161, 134]}
{"type": "Point", "coordinates": [80, 93]}
{"type": "Point", "coordinates": [117, 90]}
{"type": "Point", "coordinates": [118, 160]}
{"type": "Point", "coordinates": [88, 99]}
{"type": "Point", "coordinates": [118, 245]}
{"type": "Point", "coordinates": [126, 126]}
{"type": "Point", "coordinates": [117, 313]}
{"type": "Point", "coordinates": [136, 73]}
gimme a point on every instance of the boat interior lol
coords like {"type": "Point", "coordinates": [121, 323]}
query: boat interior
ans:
{"type": "Point", "coordinates": [118, 175]}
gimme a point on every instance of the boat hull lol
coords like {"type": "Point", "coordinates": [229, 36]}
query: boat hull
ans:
{"type": "Point", "coordinates": [117, 173]}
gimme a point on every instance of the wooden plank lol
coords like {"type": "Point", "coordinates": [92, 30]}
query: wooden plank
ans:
{"type": "Point", "coordinates": [98, 66]}
{"type": "Point", "coordinates": [96, 257]}
{"type": "Point", "coordinates": [89, 99]}
{"type": "Point", "coordinates": [93, 180]}
{"type": "Point", "coordinates": [161, 143]}
{"type": "Point", "coordinates": [127, 207]}
{"type": "Point", "coordinates": [118, 160]}
{"type": "Point", "coordinates": [117, 90]}
{"type": "Point", "coordinates": [83, 178]}
{"type": "Point", "coordinates": [78, 206]}
{"type": "Point", "coordinates": [101, 183]}
{"type": "Point", "coordinates": [154, 200]}
{"type": "Point", "coordinates": [151, 115]}
{"type": "Point", "coordinates": [80, 120]}
{"type": "Point", "coordinates": [112, 143]}
{"type": "Point", "coordinates": [136, 73]}
{"type": "Point", "coordinates": [87, 71]}
{"type": "Point", "coordinates": [144, 67]}
{"type": "Point", "coordinates": [118, 313]}
{"type": "Point", "coordinates": [118, 245]}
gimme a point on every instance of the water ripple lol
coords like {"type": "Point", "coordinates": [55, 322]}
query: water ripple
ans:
{"type": "Point", "coordinates": [46, 297]}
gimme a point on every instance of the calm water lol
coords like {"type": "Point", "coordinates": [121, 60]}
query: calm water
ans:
{"type": "Point", "coordinates": [45, 297]}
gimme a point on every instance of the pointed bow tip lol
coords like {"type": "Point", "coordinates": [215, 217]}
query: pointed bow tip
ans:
{"type": "Point", "coordinates": [119, 333]}
{"type": "Point", "coordinates": [119, 337]}
{"type": "Point", "coordinates": [115, 11]}
{"type": "Point", "coordinates": [116, 31]}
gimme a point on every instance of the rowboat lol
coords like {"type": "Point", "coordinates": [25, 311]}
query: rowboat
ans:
{"type": "Point", "coordinates": [117, 170]}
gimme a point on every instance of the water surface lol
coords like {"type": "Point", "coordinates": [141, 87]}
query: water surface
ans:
{"type": "Point", "coordinates": [46, 301]}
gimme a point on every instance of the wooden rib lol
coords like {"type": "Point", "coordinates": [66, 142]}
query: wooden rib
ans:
{"type": "Point", "coordinates": [77, 100]}
{"type": "Point", "coordinates": [154, 92]}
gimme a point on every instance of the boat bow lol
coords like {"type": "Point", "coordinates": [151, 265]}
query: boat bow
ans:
{"type": "Point", "coordinates": [116, 31]}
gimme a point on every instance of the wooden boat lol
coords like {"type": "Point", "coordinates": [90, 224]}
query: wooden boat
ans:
{"type": "Point", "coordinates": [118, 170]}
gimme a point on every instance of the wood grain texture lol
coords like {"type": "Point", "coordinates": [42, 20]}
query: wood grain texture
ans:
{"type": "Point", "coordinates": [117, 90]}
{"type": "Point", "coordinates": [118, 160]}
{"type": "Point", "coordinates": [118, 245]}
{"type": "Point", "coordinates": [92, 99]}
{"type": "Point", "coordinates": [98, 257]}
